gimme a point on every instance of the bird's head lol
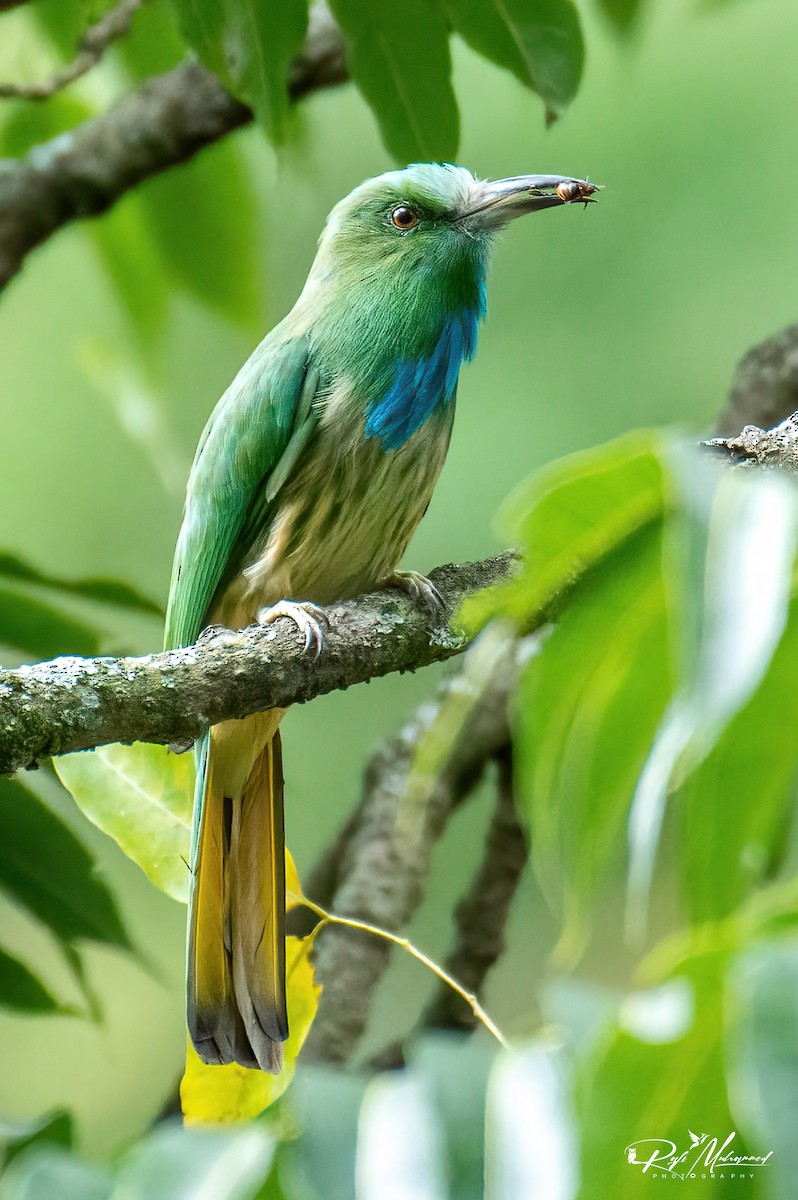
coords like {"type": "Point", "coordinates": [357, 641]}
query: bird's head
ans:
{"type": "Point", "coordinates": [432, 219]}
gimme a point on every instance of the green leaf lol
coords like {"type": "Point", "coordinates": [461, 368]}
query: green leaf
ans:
{"type": "Point", "coordinates": [655, 1077]}
{"type": "Point", "coordinates": [52, 1174]}
{"type": "Point", "coordinates": [738, 538]}
{"type": "Point", "coordinates": [47, 870]}
{"type": "Point", "coordinates": [53, 1129]}
{"type": "Point", "coordinates": [153, 45]}
{"type": "Point", "coordinates": [106, 591]}
{"type": "Point", "coordinates": [588, 705]}
{"type": "Point", "coordinates": [196, 1164]}
{"type": "Point", "coordinates": [762, 1047]}
{"type": "Point", "coordinates": [21, 991]}
{"type": "Point", "coordinates": [141, 796]}
{"type": "Point", "coordinates": [540, 41]}
{"type": "Point", "coordinates": [623, 15]}
{"type": "Point", "coordinates": [401, 64]}
{"type": "Point", "coordinates": [250, 45]}
{"type": "Point", "coordinates": [735, 804]}
{"type": "Point", "coordinates": [204, 220]}
{"type": "Point", "coordinates": [42, 630]}
{"type": "Point", "coordinates": [568, 516]}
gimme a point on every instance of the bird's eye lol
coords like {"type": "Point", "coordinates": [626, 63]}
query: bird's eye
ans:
{"type": "Point", "coordinates": [404, 217]}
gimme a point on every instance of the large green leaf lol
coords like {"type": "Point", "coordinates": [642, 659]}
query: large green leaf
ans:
{"type": "Point", "coordinates": [540, 41]}
{"type": "Point", "coordinates": [587, 708]}
{"type": "Point", "coordinates": [47, 870]}
{"type": "Point", "coordinates": [21, 991]}
{"type": "Point", "coordinates": [762, 1048]}
{"type": "Point", "coordinates": [124, 244]}
{"type": "Point", "coordinates": [250, 45]}
{"type": "Point", "coordinates": [400, 62]}
{"type": "Point", "coordinates": [54, 1128]}
{"type": "Point", "coordinates": [106, 591]}
{"type": "Point", "coordinates": [734, 540]}
{"type": "Point", "coordinates": [569, 515]}
{"type": "Point", "coordinates": [734, 806]}
{"type": "Point", "coordinates": [141, 796]}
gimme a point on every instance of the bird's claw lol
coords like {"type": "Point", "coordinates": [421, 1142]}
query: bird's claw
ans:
{"type": "Point", "coordinates": [310, 619]}
{"type": "Point", "coordinates": [419, 588]}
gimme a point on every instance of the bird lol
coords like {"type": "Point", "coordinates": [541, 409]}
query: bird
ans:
{"type": "Point", "coordinates": [309, 479]}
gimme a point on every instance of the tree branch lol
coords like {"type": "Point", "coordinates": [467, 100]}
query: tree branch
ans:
{"type": "Point", "coordinates": [111, 26]}
{"type": "Point", "coordinates": [386, 860]}
{"type": "Point", "coordinates": [775, 448]}
{"type": "Point", "coordinates": [77, 703]}
{"type": "Point", "coordinates": [481, 915]}
{"type": "Point", "coordinates": [162, 123]}
{"type": "Point", "coordinates": [765, 386]}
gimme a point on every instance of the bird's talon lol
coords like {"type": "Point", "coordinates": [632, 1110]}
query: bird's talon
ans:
{"type": "Point", "coordinates": [308, 618]}
{"type": "Point", "coordinates": [419, 588]}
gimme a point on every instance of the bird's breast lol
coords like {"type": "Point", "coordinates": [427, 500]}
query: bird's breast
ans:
{"type": "Point", "coordinates": [344, 518]}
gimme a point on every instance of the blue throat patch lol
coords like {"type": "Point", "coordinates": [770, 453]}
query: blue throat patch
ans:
{"type": "Point", "coordinates": [419, 386]}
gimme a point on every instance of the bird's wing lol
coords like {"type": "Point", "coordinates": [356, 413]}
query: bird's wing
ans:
{"type": "Point", "coordinates": [253, 438]}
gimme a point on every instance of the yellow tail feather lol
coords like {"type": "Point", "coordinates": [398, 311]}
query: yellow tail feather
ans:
{"type": "Point", "coordinates": [236, 954]}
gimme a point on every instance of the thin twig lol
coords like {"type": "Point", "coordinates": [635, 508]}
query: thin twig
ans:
{"type": "Point", "coordinates": [92, 46]}
{"type": "Point", "coordinates": [328, 918]}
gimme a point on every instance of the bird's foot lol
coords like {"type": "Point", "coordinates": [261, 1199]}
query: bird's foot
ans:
{"type": "Point", "coordinates": [419, 588]}
{"type": "Point", "coordinates": [310, 619]}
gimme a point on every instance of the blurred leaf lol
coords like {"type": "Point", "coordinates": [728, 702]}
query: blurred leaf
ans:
{"type": "Point", "coordinates": [52, 1174]}
{"type": "Point", "coordinates": [568, 516]}
{"type": "Point", "coordinates": [250, 45]}
{"type": "Point", "coordinates": [196, 1164]}
{"type": "Point", "coordinates": [141, 796]}
{"type": "Point", "coordinates": [762, 1047]}
{"type": "Point", "coordinates": [40, 629]}
{"type": "Point", "coordinates": [736, 803]}
{"type": "Point", "coordinates": [623, 15]}
{"type": "Point", "coordinates": [587, 708]}
{"type": "Point", "coordinates": [399, 1139]}
{"type": "Point", "coordinates": [532, 1147]}
{"type": "Point", "coordinates": [153, 45]}
{"type": "Point", "coordinates": [124, 243]}
{"type": "Point", "coordinates": [231, 1094]}
{"type": "Point", "coordinates": [24, 123]}
{"type": "Point", "coordinates": [106, 591]}
{"type": "Point", "coordinates": [643, 1086]}
{"type": "Point", "coordinates": [401, 64]}
{"type": "Point", "coordinates": [204, 220]}
{"type": "Point", "coordinates": [21, 991]}
{"type": "Point", "coordinates": [324, 1105]}
{"type": "Point", "coordinates": [739, 533]}
{"type": "Point", "coordinates": [540, 41]}
{"type": "Point", "coordinates": [67, 23]}
{"type": "Point", "coordinates": [48, 871]}
{"type": "Point", "coordinates": [455, 1071]}
{"type": "Point", "coordinates": [53, 1129]}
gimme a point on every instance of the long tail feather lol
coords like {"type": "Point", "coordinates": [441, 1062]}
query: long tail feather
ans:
{"type": "Point", "coordinates": [236, 942]}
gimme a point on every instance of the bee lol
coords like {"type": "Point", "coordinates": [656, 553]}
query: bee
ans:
{"type": "Point", "coordinates": [575, 190]}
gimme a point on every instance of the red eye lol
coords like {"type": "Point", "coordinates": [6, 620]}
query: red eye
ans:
{"type": "Point", "coordinates": [404, 217]}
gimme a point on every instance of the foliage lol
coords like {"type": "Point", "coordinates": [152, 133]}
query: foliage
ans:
{"type": "Point", "coordinates": [653, 734]}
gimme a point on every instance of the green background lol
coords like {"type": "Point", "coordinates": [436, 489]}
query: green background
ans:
{"type": "Point", "coordinates": [630, 314]}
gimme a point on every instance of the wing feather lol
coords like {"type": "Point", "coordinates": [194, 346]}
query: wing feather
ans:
{"type": "Point", "coordinates": [253, 437]}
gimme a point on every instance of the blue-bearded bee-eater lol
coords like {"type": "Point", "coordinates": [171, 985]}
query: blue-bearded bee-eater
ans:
{"type": "Point", "coordinates": [309, 480]}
